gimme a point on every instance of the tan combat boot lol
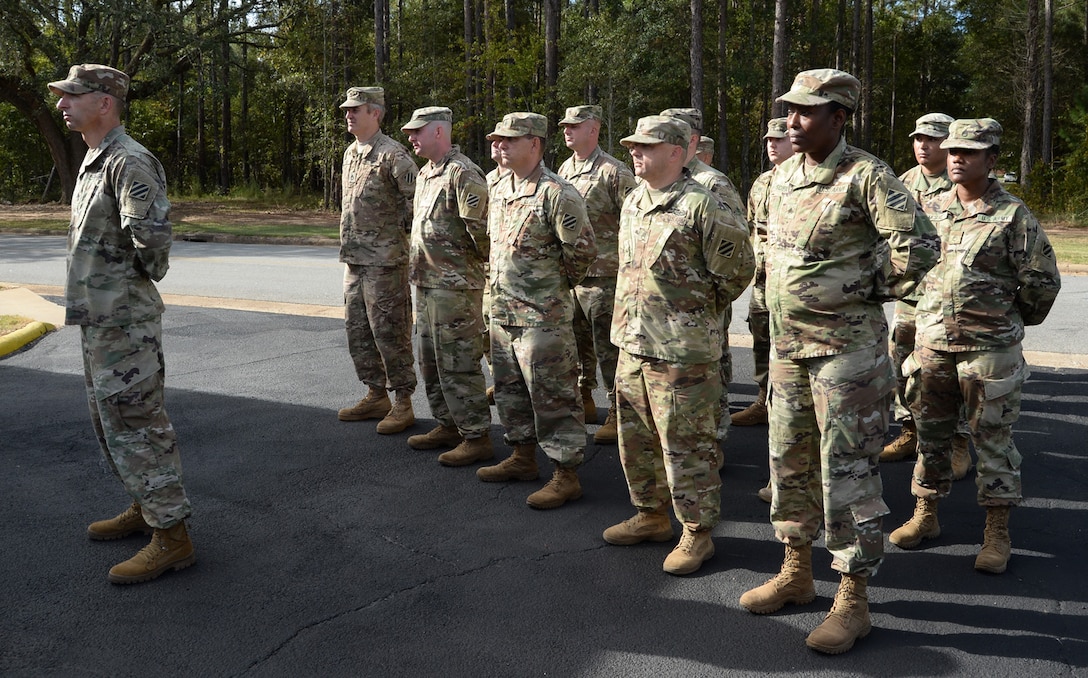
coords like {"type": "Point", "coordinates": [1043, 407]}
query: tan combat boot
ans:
{"type": "Point", "coordinates": [470, 451]}
{"type": "Point", "coordinates": [589, 406]}
{"type": "Point", "coordinates": [563, 487]}
{"type": "Point", "coordinates": [996, 544]}
{"type": "Point", "coordinates": [439, 436]}
{"type": "Point", "coordinates": [643, 526]}
{"type": "Point", "coordinates": [961, 456]}
{"type": "Point", "coordinates": [170, 549]}
{"type": "Point", "coordinates": [374, 406]}
{"type": "Point", "coordinates": [922, 525]}
{"type": "Point", "coordinates": [122, 525]}
{"type": "Point", "coordinates": [399, 418]}
{"type": "Point", "coordinates": [609, 430]}
{"type": "Point", "coordinates": [694, 549]}
{"type": "Point", "coordinates": [766, 493]}
{"type": "Point", "coordinates": [903, 447]}
{"type": "Point", "coordinates": [793, 584]}
{"type": "Point", "coordinates": [753, 415]}
{"type": "Point", "coordinates": [848, 619]}
{"type": "Point", "coordinates": [521, 465]}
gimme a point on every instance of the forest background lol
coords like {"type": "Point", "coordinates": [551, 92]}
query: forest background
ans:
{"type": "Point", "coordinates": [239, 97]}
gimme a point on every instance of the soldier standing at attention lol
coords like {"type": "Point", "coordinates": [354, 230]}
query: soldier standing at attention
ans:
{"type": "Point", "coordinates": [997, 273]}
{"type": "Point", "coordinates": [844, 236]}
{"type": "Point", "coordinates": [118, 243]}
{"type": "Point", "coordinates": [925, 180]}
{"type": "Point", "coordinates": [603, 183]}
{"type": "Point", "coordinates": [541, 247]}
{"type": "Point", "coordinates": [683, 259]}
{"type": "Point", "coordinates": [379, 180]}
{"type": "Point", "coordinates": [447, 264]}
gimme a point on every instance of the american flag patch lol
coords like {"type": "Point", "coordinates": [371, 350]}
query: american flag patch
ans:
{"type": "Point", "coordinates": [726, 249]}
{"type": "Point", "coordinates": [896, 201]}
{"type": "Point", "coordinates": [139, 190]}
{"type": "Point", "coordinates": [472, 200]}
{"type": "Point", "coordinates": [569, 222]}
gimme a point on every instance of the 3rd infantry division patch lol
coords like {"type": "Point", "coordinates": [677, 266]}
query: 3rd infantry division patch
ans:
{"type": "Point", "coordinates": [896, 200]}
{"type": "Point", "coordinates": [139, 190]}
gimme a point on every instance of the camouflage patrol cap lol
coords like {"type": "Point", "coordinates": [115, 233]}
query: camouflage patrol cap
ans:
{"type": "Point", "coordinates": [360, 96]}
{"type": "Point", "coordinates": [421, 117]}
{"type": "Point", "coordinates": [776, 129]}
{"type": "Point", "coordinates": [692, 116]}
{"type": "Point", "coordinates": [657, 129]}
{"type": "Point", "coordinates": [822, 86]}
{"type": "Point", "coordinates": [977, 133]}
{"type": "Point", "coordinates": [86, 78]}
{"type": "Point", "coordinates": [706, 145]}
{"type": "Point", "coordinates": [579, 114]}
{"type": "Point", "coordinates": [932, 125]}
{"type": "Point", "coordinates": [521, 124]}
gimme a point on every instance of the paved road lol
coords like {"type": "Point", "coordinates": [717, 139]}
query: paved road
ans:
{"type": "Point", "coordinates": [326, 549]}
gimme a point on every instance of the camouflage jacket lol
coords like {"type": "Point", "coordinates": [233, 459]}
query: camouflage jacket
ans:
{"type": "Point", "coordinates": [379, 181]}
{"type": "Point", "coordinates": [997, 273]}
{"type": "Point", "coordinates": [719, 185]}
{"type": "Point", "coordinates": [449, 230]}
{"type": "Point", "coordinates": [757, 222]}
{"type": "Point", "coordinates": [603, 182]}
{"type": "Point", "coordinates": [119, 237]}
{"type": "Point", "coordinates": [843, 237]}
{"type": "Point", "coordinates": [923, 189]}
{"type": "Point", "coordinates": [683, 259]}
{"type": "Point", "coordinates": [541, 247]}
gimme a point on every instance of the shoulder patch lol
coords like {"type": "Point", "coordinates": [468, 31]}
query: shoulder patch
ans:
{"type": "Point", "coordinates": [472, 200]}
{"type": "Point", "coordinates": [139, 190]}
{"type": "Point", "coordinates": [726, 249]}
{"type": "Point", "coordinates": [569, 221]}
{"type": "Point", "coordinates": [896, 200]}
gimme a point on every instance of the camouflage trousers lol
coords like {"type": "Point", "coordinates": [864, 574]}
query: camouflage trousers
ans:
{"type": "Point", "coordinates": [450, 325]}
{"type": "Point", "coordinates": [987, 384]}
{"type": "Point", "coordinates": [668, 415]}
{"type": "Point", "coordinates": [828, 417]}
{"type": "Point", "coordinates": [124, 372]}
{"type": "Point", "coordinates": [759, 324]}
{"type": "Point", "coordinates": [536, 389]}
{"type": "Point", "coordinates": [378, 318]}
{"type": "Point", "coordinates": [902, 345]}
{"type": "Point", "coordinates": [594, 299]}
{"type": "Point", "coordinates": [725, 375]}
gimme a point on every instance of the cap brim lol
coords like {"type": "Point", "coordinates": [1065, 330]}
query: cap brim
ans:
{"type": "Point", "coordinates": [416, 124]}
{"type": "Point", "coordinates": [505, 134]}
{"type": "Point", "coordinates": [641, 139]}
{"type": "Point", "coordinates": [574, 121]}
{"type": "Point", "coordinates": [929, 132]}
{"type": "Point", "coordinates": [775, 135]}
{"type": "Point", "coordinates": [68, 87]}
{"type": "Point", "coordinates": [964, 143]}
{"type": "Point", "coordinates": [802, 99]}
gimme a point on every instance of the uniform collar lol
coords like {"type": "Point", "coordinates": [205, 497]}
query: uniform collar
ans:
{"type": "Point", "coordinates": [432, 168]}
{"type": "Point", "coordinates": [94, 153]}
{"type": "Point", "coordinates": [824, 173]}
{"type": "Point", "coordinates": [524, 188]}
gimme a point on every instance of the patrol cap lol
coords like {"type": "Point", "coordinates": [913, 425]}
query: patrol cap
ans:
{"type": "Point", "coordinates": [86, 78]}
{"type": "Point", "coordinates": [822, 86]}
{"type": "Point", "coordinates": [579, 114]}
{"type": "Point", "coordinates": [776, 129]}
{"type": "Point", "coordinates": [520, 124]}
{"type": "Point", "coordinates": [977, 133]}
{"type": "Point", "coordinates": [692, 116]}
{"type": "Point", "coordinates": [421, 117]}
{"type": "Point", "coordinates": [360, 96]}
{"type": "Point", "coordinates": [706, 145]}
{"type": "Point", "coordinates": [932, 125]}
{"type": "Point", "coordinates": [658, 129]}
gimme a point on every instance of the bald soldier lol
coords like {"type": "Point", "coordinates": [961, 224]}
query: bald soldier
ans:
{"type": "Point", "coordinates": [844, 236]}
{"type": "Point", "coordinates": [447, 264]}
{"type": "Point", "coordinates": [603, 182]}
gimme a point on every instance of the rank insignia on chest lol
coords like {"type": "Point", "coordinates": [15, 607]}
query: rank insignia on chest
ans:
{"type": "Point", "coordinates": [569, 221]}
{"type": "Point", "coordinates": [139, 190]}
{"type": "Point", "coordinates": [896, 200]}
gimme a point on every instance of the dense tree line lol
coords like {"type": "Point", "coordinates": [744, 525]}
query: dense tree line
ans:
{"type": "Point", "coordinates": [240, 96]}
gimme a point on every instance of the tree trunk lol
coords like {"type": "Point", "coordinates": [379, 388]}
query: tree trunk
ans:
{"type": "Point", "coordinates": [866, 103]}
{"type": "Point", "coordinates": [1027, 144]}
{"type": "Point", "coordinates": [225, 139]}
{"type": "Point", "coordinates": [1046, 151]}
{"type": "Point", "coordinates": [552, 18]}
{"type": "Point", "coordinates": [723, 85]}
{"type": "Point", "coordinates": [778, 58]}
{"type": "Point", "coordinates": [696, 54]}
{"type": "Point", "coordinates": [379, 41]}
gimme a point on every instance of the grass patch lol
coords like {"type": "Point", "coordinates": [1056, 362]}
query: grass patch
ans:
{"type": "Point", "coordinates": [1070, 245]}
{"type": "Point", "coordinates": [264, 230]}
{"type": "Point", "coordinates": [58, 226]}
{"type": "Point", "coordinates": [10, 323]}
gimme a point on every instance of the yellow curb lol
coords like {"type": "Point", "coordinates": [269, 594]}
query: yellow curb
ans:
{"type": "Point", "coordinates": [9, 343]}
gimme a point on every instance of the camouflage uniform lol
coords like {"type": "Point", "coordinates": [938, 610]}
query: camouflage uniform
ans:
{"type": "Point", "coordinates": [759, 323]}
{"type": "Point", "coordinates": [118, 243]}
{"type": "Point", "coordinates": [997, 273]}
{"type": "Point", "coordinates": [541, 246]}
{"type": "Point", "coordinates": [844, 237]}
{"type": "Point", "coordinates": [682, 260]}
{"type": "Point", "coordinates": [447, 262]}
{"type": "Point", "coordinates": [378, 185]}
{"type": "Point", "coordinates": [603, 183]}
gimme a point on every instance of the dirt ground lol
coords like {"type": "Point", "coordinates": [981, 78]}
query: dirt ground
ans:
{"type": "Point", "coordinates": [193, 212]}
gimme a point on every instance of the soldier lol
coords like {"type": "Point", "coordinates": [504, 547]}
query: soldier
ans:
{"type": "Point", "coordinates": [541, 247]}
{"type": "Point", "coordinates": [997, 273]}
{"type": "Point", "coordinates": [118, 243]}
{"type": "Point", "coordinates": [705, 150]}
{"type": "Point", "coordinates": [925, 180]}
{"type": "Point", "coordinates": [447, 265]}
{"type": "Point", "coordinates": [683, 259]}
{"type": "Point", "coordinates": [844, 236]}
{"type": "Point", "coordinates": [379, 181]}
{"type": "Point", "coordinates": [603, 183]}
{"type": "Point", "coordinates": [721, 186]}
{"type": "Point", "coordinates": [778, 151]}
